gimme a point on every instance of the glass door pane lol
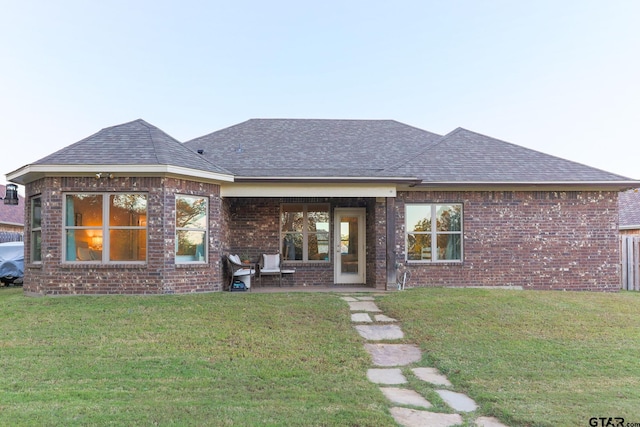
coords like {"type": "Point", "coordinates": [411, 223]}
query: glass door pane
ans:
{"type": "Point", "coordinates": [349, 244]}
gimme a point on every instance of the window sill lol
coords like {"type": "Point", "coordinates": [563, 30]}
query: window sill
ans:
{"type": "Point", "coordinates": [88, 264]}
{"type": "Point", "coordinates": [196, 264]}
{"type": "Point", "coordinates": [423, 263]}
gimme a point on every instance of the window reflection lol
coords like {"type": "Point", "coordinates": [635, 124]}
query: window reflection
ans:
{"type": "Point", "coordinates": [444, 243]}
{"type": "Point", "coordinates": [305, 232]}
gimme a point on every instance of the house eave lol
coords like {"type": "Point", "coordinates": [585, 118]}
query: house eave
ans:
{"type": "Point", "coordinates": [629, 227]}
{"type": "Point", "coordinates": [30, 173]}
{"type": "Point", "coordinates": [327, 179]}
{"type": "Point", "coordinates": [307, 189]}
{"type": "Point", "coordinates": [528, 185]}
{"type": "Point", "coordinates": [11, 224]}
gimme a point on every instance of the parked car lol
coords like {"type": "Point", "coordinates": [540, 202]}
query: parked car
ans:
{"type": "Point", "coordinates": [11, 263]}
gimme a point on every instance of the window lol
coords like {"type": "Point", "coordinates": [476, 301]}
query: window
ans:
{"type": "Point", "coordinates": [428, 243]}
{"type": "Point", "coordinates": [305, 232]}
{"type": "Point", "coordinates": [102, 228]}
{"type": "Point", "coordinates": [36, 229]}
{"type": "Point", "coordinates": [191, 229]}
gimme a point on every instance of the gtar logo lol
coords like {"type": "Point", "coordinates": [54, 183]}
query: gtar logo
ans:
{"type": "Point", "coordinates": [606, 422]}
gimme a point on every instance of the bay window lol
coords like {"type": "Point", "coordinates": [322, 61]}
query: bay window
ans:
{"type": "Point", "coordinates": [191, 229]}
{"type": "Point", "coordinates": [104, 228]}
{"type": "Point", "coordinates": [36, 229]}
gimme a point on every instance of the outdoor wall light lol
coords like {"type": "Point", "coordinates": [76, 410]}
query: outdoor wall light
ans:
{"type": "Point", "coordinates": [11, 195]}
{"type": "Point", "coordinates": [104, 175]}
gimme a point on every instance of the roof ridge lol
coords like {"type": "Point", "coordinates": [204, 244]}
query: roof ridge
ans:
{"type": "Point", "coordinates": [151, 127]}
{"type": "Point", "coordinates": [151, 138]}
{"type": "Point", "coordinates": [423, 151]}
{"type": "Point", "coordinates": [215, 131]}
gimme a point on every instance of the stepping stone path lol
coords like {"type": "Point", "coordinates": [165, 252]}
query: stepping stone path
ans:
{"type": "Point", "coordinates": [387, 357]}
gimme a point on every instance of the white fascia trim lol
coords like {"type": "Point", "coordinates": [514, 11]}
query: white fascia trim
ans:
{"type": "Point", "coordinates": [270, 189]}
{"type": "Point", "coordinates": [13, 224]}
{"type": "Point", "coordinates": [563, 185]}
{"type": "Point", "coordinates": [122, 170]}
{"type": "Point", "coordinates": [629, 227]}
{"type": "Point", "coordinates": [342, 179]}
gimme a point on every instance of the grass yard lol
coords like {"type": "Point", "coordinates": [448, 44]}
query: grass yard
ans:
{"type": "Point", "coordinates": [212, 359]}
{"type": "Point", "coordinates": [531, 358]}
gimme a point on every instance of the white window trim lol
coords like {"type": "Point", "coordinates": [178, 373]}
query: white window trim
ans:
{"type": "Point", "coordinates": [32, 249]}
{"type": "Point", "coordinates": [105, 229]}
{"type": "Point", "coordinates": [305, 233]}
{"type": "Point", "coordinates": [205, 229]}
{"type": "Point", "coordinates": [434, 234]}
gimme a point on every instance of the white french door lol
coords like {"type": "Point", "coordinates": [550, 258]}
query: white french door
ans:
{"type": "Point", "coordinates": [349, 245]}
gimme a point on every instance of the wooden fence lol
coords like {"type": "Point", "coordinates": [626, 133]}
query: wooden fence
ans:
{"type": "Point", "coordinates": [630, 262]}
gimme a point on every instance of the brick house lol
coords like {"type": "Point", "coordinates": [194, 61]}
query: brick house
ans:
{"type": "Point", "coordinates": [132, 210]}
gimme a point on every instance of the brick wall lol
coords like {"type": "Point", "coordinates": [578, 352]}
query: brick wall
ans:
{"type": "Point", "coordinates": [254, 229]}
{"type": "Point", "coordinates": [158, 275]}
{"type": "Point", "coordinates": [537, 240]}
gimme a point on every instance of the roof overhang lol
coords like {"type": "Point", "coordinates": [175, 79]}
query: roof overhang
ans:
{"type": "Point", "coordinates": [629, 227]}
{"type": "Point", "coordinates": [30, 173]}
{"type": "Point", "coordinates": [307, 189]}
{"type": "Point", "coordinates": [526, 186]}
{"type": "Point", "coordinates": [12, 224]}
{"type": "Point", "coordinates": [329, 179]}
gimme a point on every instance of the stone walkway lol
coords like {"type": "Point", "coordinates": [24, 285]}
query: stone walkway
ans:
{"type": "Point", "coordinates": [388, 359]}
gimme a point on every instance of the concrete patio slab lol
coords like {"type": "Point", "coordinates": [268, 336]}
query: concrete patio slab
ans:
{"type": "Point", "coordinates": [386, 376]}
{"type": "Point", "coordinates": [414, 418]}
{"type": "Point", "coordinates": [361, 318]}
{"type": "Point", "coordinates": [458, 401]}
{"type": "Point", "coordinates": [403, 396]}
{"type": "Point", "coordinates": [393, 354]}
{"type": "Point", "coordinates": [364, 306]}
{"type": "Point", "coordinates": [489, 422]}
{"type": "Point", "coordinates": [380, 332]}
{"type": "Point", "coordinates": [431, 375]}
{"type": "Point", "coordinates": [383, 318]}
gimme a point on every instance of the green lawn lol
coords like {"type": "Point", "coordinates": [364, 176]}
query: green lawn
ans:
{"type": "Point", "coordinates": [213, 359]}
{"type": "Point", "coordinates": [242, 359]}
{"type": "Point", "coordinates": [531, 358]}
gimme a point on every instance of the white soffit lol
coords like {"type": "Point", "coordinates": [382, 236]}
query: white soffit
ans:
{"type": "Point", "coordinates": [306, 190]}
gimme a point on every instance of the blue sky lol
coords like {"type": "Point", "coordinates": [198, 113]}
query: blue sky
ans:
{"type": "Point", "coordinates": [562, 77]}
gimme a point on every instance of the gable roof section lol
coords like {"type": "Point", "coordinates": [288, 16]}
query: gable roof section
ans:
{"type": "Point", "coordinates": [629, 209]}
{"type": "Point", "coordinates": [313, 148]}
{"type": "Point", "coordinates": [11, 214]}
{"type": "Point", "coordinates": [468, 157]}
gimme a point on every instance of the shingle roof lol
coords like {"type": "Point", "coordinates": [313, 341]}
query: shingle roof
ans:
{"type": "Point", "coordinates": [11, 214]}
{"type": "Point", "coordinates": [133, 143]}
{"type": "Point", "coordinates": [629, 208]}
{"type": "Point", "coordinates": [312, 148]}
{"type": "Point", "coordinates": [332, 149]}
{"type": "Point", "coordinates": [465, 156]}
{"type": "Point", "coordinates": [382, 148]}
